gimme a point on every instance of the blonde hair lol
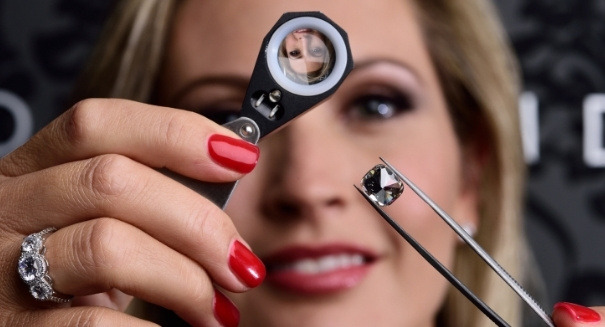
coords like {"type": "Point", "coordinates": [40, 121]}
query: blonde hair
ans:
{"type": "Point", "coordinates": [479, 79]}
{"type": "Point", "coordinates": [126, 60]}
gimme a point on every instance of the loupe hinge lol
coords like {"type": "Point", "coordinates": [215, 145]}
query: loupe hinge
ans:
{"type": "Point", "coordinates": [245, 128]}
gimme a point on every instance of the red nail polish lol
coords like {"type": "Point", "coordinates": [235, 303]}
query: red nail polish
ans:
{"type": "Point", "coordinates": [577, 312]}
{"type": "Point", "coordinates": [224, 310]}
{"type": "Point", "coordinates": [246, 265]}
{"type": "Point", "coordinates": [237, 155]}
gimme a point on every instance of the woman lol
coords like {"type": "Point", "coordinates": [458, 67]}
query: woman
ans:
{"type": "Point", "coordinates": [306, 56]}
{"type": "Point", "coordinates": [440, 70]}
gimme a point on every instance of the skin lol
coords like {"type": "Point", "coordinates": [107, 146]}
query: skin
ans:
{"type": "Point", "coordinates": [124, 228]}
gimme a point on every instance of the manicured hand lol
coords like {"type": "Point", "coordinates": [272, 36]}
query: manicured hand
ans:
{"type": "Point", "coordinates": [123, 228]}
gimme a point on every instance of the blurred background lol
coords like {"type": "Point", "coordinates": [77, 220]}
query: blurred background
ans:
{"type": "Point", "coordinates": [561, 48]}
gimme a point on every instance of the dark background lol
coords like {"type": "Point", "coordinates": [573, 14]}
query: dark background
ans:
{"type": "Point", "coordinates": [561, 47]}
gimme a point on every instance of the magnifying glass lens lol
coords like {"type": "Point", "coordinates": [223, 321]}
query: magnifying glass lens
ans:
{"type": "Point", "coordinates": [306, 56]}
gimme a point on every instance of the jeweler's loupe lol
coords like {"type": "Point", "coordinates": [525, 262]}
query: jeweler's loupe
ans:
{"type": "Point", "coordinates": [302, 61]}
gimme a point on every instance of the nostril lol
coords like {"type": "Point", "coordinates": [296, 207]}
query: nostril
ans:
{"type": "Point", "coordinates": [333, 202]}
{"type": "Point", "coordinates": [291, 208]}
{"type": "Point", "coordinates": [288, 209]}
{"type": "Point", "coordinates": [282, 210]}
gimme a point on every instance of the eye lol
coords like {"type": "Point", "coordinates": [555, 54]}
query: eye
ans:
{"type": "Point", "coordinates": [294, 54]}
{"type": "Point", "coordinates": [379, 106]}
{"type": "Point", "coordinates": [318, 51]}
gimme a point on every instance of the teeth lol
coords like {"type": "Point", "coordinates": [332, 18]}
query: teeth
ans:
{"type": "Point", "coordinates": [326, 263]}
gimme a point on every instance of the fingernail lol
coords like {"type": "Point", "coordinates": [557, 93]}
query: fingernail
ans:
{"type": "Point", "coordinates": [224, 310]}
{"type": "Point", "coordinates": [234, 154]}
{"type": "Point", "coordinates": [577, 312]}
{"type": "Point", "coordinates": [246, 265]}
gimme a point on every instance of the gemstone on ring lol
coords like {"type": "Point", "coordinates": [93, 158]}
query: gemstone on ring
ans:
{"type": "Point", "coordinates": [32, 266]}
{"type": "Point", "coordinates": [32, 243]}
{"type": "Point", "coordinates": [41, 290]}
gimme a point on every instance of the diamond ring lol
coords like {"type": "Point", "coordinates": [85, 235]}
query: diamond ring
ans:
{"type": "Point", "coordinates": [33, 268]}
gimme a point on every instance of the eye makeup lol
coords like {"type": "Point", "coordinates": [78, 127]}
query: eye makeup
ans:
{"type": "Point", "coordinates": [379, 90]}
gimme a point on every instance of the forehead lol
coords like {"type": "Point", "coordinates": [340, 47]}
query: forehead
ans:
{"type": "Point", "coordinates": [224, 37]}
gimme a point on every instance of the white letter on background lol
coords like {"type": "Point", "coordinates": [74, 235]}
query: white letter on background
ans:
{"type": "Point", "coordinates": [24, 123]}
{"type": "Point", "coordinates": [594, 107]}
{"type": "Point", "coordinates": [530, 126]}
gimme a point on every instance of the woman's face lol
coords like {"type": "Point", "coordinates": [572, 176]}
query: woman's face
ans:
{"type": "Point", "coordinates": [306, 51]}
{"type": "Point", "coordinates": [332, 261]}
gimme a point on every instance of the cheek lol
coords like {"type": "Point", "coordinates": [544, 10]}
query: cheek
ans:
{"type": "Point", "coordinates": [413, 274]}
{"type": "Point", "coordinates": [425, 226]}
{"type": "Point", "coordinates": [433, 163]}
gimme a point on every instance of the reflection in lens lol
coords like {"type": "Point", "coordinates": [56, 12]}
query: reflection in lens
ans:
{"type": "Point", "coordinates": [306, 56]}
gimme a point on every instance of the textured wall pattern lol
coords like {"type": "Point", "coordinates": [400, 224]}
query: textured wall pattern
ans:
{"type": "Point", "coordinates": [561, 46]}
{"type": "Point", "coordinates": [42, 47]}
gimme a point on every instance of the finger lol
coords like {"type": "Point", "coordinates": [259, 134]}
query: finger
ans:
{"type": "Point", "coordinates": [113, 299]}
{"type": "Point", "coordinates": [155, 136]}
{"type": "Point", "coordinates": [76, 317]}
{"type": "Point", "coordinates": [569, 314]}
{"type": "Point", "coordinates": [104, 254]}
{"type": "Point", "coordinates": [118, 187]}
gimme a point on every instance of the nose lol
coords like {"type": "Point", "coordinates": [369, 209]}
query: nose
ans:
{"type": "Point", "coordinates": [308, 175]}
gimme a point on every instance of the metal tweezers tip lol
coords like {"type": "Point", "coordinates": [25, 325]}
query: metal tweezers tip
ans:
{"type": "Point", "coordinates": [470, 242]}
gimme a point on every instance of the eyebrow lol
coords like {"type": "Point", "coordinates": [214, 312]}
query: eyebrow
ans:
{"type": "Point", "coordinates": [367, 63]}
{"type": "Point", "coordinates": [233, 81]}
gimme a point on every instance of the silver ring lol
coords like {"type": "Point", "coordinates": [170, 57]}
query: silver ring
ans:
{"type": "Point", "coordinates": [33, 268]}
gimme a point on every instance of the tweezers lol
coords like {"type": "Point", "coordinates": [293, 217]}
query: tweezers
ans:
{"type": "Point", "coordinates": [470, 242]}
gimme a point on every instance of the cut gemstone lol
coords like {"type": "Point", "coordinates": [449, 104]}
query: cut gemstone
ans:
{"type": "Point", "coordinates": [31, 266]}
{"type": "Point", "coordinates": [41, 290]}
{"type": "Point", "coordinates": [32, 243]}
{"type": "Point", "coordinates": [382, 185]}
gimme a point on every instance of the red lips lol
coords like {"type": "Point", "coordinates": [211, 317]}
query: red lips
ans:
{"type": "Point", "coordinates": [318, 270]}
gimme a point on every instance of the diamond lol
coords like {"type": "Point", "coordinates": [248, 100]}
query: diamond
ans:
{"type": "Point", "coordinates": [32, 243]}
{"type": "Point", "coordinates": [382, 185]}
{"type": "Point", "coordinates": [31, 266]}
{"type": "Point", "coordinates": [41, 290]}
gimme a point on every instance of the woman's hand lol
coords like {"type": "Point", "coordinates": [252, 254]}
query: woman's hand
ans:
{"type": "Point", "coordinates": [123, 227]}
{"type": "Point", "coordinates": [569, 315]}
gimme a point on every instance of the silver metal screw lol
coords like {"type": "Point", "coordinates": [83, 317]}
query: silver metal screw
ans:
{"type": "Point", "coordinates": [275, 96]}
{"type": "Point", "coordinates": [246, 130]}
